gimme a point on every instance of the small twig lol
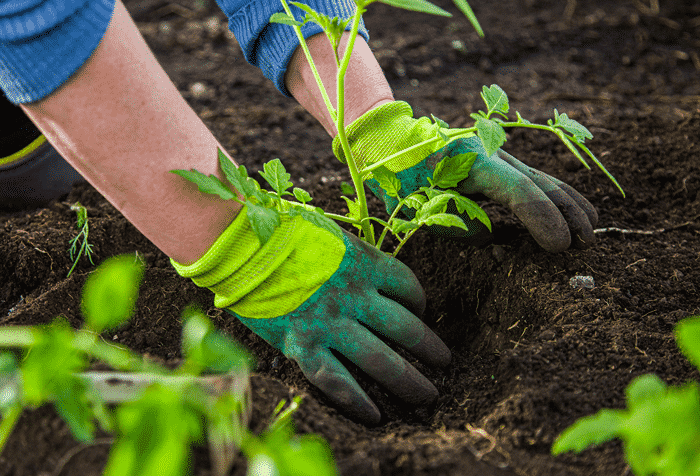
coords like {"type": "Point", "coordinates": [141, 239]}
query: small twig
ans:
{"type": "Point", "coordinates": [642, 260]}
{"type": "Point", "coordinates": [77, 449]}
{"type": "Point", "coordinates": [623, 230]}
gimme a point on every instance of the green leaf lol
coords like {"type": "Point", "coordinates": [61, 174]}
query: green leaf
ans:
{"type": "Point", "coordinates": [445, 219]}
{"type": "Point", "coordinates": [591, 430]}
{"type": "Point", "coordinates": [401, 226]}
{"type": "Point", "coordinates": [469, 13]}
{"type": "Point", "coordinates": [285, 19]}
{"type": "Point", "coordinates": [495, 98]}
{"type": "Point", "coordinates": [320, 221]}
{"type": "Point", "coordinates": [276, 175]}
{"type": "Point", "coordinates": [9, 376]}
{"type": "Point", "coordinates": [415, 201]}
{"type": "Point", "coordinates": [263, 220]}
{"type": "Point", "coordinates": [473, 210]}
{"type": "Point", "coordinates": [154, 434]}
{"type": "Point", "coordinates": [437, 204]}
{"type": "Point", "coordinates": [571, 126]}
{"type": "Point", "coordinates": [301, 195]}
{"type": "Point", "coordinates": [643, 389]}
{"type": "Point", "coordinates": [387, 180]}
{"type": "Point", "coordinates": [347, 189]}
{"type": "Point", "coordinates": [206, 184]}
{"type": "Point", "coordinates": [688, 339]}
{"type": "Point", "coordinates": [453, 169]}
{"type": "Point", "coordinates": [205, 348]}
{"type": "Point", "coordinates": [418, 6]}
{"type": "Point", "coordinates": [238, 177]}
{"type": "Point", "coordinates": [110, 292]}
{"type": "Point", "coordinates": [491, 134]}
{"type": "Point", "coordinates": [441, 124]}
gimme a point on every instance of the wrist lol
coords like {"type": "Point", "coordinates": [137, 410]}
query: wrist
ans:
{"type": "Point", "coordinates": [365, 85]}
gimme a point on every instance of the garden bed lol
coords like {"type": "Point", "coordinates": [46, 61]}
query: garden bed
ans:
{"type": "Point", "coordinates": [531, 354]}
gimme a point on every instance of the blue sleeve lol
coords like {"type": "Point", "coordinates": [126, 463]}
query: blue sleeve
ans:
{"type": "Point", "coordinates": [43, 42]}
{"type": "Point", "coordinates": [270, 46]}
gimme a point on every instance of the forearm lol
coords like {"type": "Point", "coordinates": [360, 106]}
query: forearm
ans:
{"type": "Point", "coordinates": [366, 86]}
{"type": "Point", "coordinates": [123, 125]}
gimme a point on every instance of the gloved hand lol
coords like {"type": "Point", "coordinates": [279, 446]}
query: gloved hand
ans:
{"type": "Point", "coordinates": [309, 292]}
{"type": "Point", "coordinates": [556, 215]}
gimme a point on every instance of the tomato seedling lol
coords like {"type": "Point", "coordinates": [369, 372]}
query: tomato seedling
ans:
{"type": "Point", "coordinates": [82, 237]}
{"type": "Point", "coordinates": [430, 203]}
{"type": "Point", "coordinates": [159, 412]}
{"type": "Point", "coordinates": [660, 427]}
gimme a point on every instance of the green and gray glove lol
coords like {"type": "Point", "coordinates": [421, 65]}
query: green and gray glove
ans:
{"type": "Point", "coordinates": [556, 215]}
{"type": "Point", "coordinates": [309, 292]}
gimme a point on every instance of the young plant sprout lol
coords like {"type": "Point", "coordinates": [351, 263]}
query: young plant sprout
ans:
{"type": "Point", "coordinates": [430, 203]}
{"type": "Point", "coordinates": [81, 239]}
{"type": "Point", "coordinates": [159, 412]}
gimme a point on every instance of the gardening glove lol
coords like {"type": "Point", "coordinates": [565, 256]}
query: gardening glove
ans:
{"type": "Point", "coordinates": [312, 291]}
{"type": "Point", "coordinates": [556, 215]}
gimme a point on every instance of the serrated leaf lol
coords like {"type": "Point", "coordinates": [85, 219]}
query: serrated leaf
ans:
{"type": "Point", "coordinates": [495, 98]}
{"type": "Point", "coordinates": [301, 195]}
{"type": "Point", "coordinates": [285, 19]}
{"type": "Point", "coordinates": [321, 221]}
{"type": "Point", "coordinates": [347, 189]}
{"type": "Point", "coordinates": [110, 292]}
{"type": "Point", "coordinates": [238, 176]}
{"type": "Point", "coordinates": [571, 126]}
{"type": "Point", "coordinates": [453, 169]}
{"type": "Point", "coordinates": [442, 124]}
{"type": "Point", "coordinates": [401, 226]}
{"type": "Point", "coordinates": [263, 220]}
{"type": "Point", "coordinates": [472, 209]}
{"type": "Point", "coordinates": [415, 201]}
{"type": "Point", "coordinates": [469, 13]}
{"type": "Point", "coordinates": [445, 219]}
{"type": "Point", "coordinates": [206, 184]}
{"type": "Point", "coordinates": [276, 175]}
{"type": "Point", "coordinates": [435, 205]}
{"type": "Point", "coordinates": [591, 430]}
{"type": "Point", "coordinates": [491, 134]}
{"type": "Point", "coordinates": [387, 180]}
{"type": "Point", "coordinates": [417, 6]}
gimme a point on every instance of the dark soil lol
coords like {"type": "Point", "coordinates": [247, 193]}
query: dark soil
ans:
{"type": "Point", "coordinates": [531, 353]}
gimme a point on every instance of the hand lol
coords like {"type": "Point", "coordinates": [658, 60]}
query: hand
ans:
{"type": "Point", "coordinates": [332, 293]}
{"type": "Point", "coordinates": [556, 215]}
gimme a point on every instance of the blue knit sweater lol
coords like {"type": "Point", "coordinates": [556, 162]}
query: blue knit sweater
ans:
{"type": "Point", "coordinates": [44, 42]}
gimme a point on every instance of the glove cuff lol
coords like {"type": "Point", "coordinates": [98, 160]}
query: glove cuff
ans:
{"type": "Point", "coordinates": [385, 130]}
{"type": "Point", "coordinates": [264, 281]}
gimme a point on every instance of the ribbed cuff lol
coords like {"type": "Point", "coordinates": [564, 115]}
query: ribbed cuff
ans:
{"type": "Point", "coordinates": [270, 46]}
{"type": "Point", "coordinates": [236, 263]}
{"type": "Point", "coordinates": [44, 42]}
{"type": "Point", "coordinates": [385, 130]}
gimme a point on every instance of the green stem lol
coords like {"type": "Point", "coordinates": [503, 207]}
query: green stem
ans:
{"type": "Point", "coordinates": [16, 336]}
{"type": "Point", "coordinates": [342, 218]}
{"type": "Point", "coordinates": [387, 227]}
{"type": "Point", "coordinates": [307, 53]}
{"type": "Point", "coordinates": [9, 420]}
{"type": "Point", "coordinates": [403, 242]}
{"type": "Point", "coordinates": [448, 133]}
{"type": "Point", "coordinates": [367, 229]}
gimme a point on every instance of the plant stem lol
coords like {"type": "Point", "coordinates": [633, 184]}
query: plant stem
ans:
{"type": "Point", "coordinates": [342, 218]}
{"type": "Point", "coordinates": [307, 53]}
{"type": "Point", "coordinates": [9, 420]}
{"type": "Point", "coordinates": [16, 336]}
{"type": "Point", "coordinates": [367, 229]}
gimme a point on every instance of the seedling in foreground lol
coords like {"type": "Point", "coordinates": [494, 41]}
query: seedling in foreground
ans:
{"type": "Point", "coordinates": [82, 238]}
{"type": "Point", "coordinates": [660, 427]}
{"type": "Point", "coordinates": [159, 412]}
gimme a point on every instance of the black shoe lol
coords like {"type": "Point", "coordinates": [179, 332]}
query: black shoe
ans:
{"type": "Point", "coordinates": [34, 176]}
